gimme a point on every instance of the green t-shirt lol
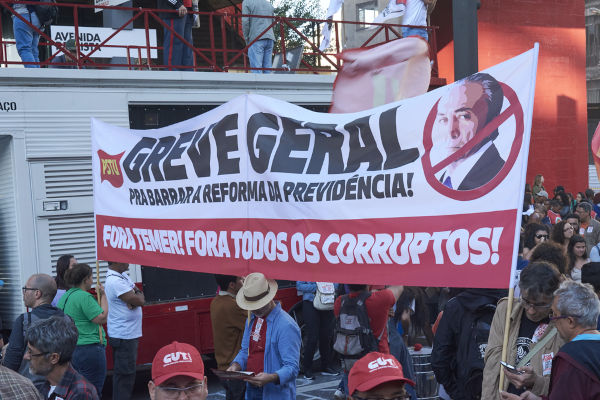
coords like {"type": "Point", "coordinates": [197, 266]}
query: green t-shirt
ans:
{"type": "Point", "coordinates": [83, 308]}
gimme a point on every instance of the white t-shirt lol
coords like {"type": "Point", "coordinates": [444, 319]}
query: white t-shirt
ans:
{"type": "Point", "coordinates": [415, 14]}
{"type": "Point", "coordinates": [122, 322]}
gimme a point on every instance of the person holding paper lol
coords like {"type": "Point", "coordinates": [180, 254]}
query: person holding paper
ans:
{"type": "Point", "coordinates": [532, 337]}
{"type": "Point", "coordinates": [576, 367]}
{"type": "Point", "coordinates": [271, 342]}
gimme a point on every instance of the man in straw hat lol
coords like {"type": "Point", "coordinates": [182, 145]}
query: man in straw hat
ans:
{"type": "Point", "coordinates": [177, 368]}
{"type": "Point", "coordinates": [376, 376]}
{"type": "Point", "coordinates": [271, 343]}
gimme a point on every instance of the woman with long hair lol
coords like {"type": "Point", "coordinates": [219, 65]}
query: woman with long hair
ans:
{"type": "Point", "coordinates": [62, 265]}
{"type": "Point", "coordinates": [562, 232]}
{"type": "Point", "coordinates": [89, 357]}
{"type": "Point", "coordinates": [533, 235]}
{"type": "Point", "coordinates": [538, 184]}
{"type": "Point", "coordinates": [577, 254]}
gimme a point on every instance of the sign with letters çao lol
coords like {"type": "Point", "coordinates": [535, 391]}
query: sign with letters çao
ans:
{"type": "Point", "coordinates": [125, 42]}
{"type": "Point", "coordinates": [426, 191]}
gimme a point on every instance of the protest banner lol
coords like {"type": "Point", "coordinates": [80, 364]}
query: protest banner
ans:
{"type": "Point", "coordinates": [258, 184]}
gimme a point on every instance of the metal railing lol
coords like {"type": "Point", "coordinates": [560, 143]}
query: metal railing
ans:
{"type": "Point", "coordinates": [225, 49]}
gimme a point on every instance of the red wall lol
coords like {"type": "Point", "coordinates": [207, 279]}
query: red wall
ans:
{"type": "Point", "coordinates": [559, 143]}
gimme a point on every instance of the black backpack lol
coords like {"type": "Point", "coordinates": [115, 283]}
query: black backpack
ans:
{"type": "Point", "coordinates": [47, 13]}
{"type": "Point", "coordinates": [473, 345]}
{"type": "Point", "coordinates": [353, 337]}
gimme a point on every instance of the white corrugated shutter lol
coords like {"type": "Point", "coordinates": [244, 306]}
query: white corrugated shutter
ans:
{"type": "Point", "coordinates": [10, 273]}
{"type": "Point", "coordinates": [69, 231]}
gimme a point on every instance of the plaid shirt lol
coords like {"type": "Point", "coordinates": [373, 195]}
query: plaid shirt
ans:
{"type": "Point", "coordinates": [16, 387]}
{"type": "Point", "coordinates": [72, 386]}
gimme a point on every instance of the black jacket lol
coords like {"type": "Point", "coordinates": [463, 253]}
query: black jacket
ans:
{"type": "Point", "coordinates": [169, 5]}
{"type": "Point", "coordinates": [448, 358]}
{"type": "Point", "coordinates": [16, 344]}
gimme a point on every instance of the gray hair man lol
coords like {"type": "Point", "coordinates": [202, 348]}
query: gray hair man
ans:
{"type": "Point", "coordinates": [38, 292]}
{"type": "Point", "coordinates": [50, 346]}
{"type": "Point", "coordinates": [575, 373]}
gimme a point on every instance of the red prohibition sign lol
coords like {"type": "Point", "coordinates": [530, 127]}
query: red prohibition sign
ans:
{"type": "Point", "coordinates": [514, 108]}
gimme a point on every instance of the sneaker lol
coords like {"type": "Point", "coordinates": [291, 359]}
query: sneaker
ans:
{"type": "Point", "coordinates": [330, 372]}
{"type": "Point", "coordinates": [339, 395]}
{"type": "Point", "coordinates": [309, 376]}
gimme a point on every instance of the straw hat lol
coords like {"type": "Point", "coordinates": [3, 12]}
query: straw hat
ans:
{"type": "Point", "coordinates": [257, 292]}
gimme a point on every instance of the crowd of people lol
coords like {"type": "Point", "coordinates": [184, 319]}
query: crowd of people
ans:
{"type": "Point", "coordinates": [363, 333]}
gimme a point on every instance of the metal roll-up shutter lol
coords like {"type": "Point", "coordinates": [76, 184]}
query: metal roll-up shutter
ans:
{"type": "Point", "coordinates": [10, 271]}
{"type": "Point", "coordinates": [65, 212]}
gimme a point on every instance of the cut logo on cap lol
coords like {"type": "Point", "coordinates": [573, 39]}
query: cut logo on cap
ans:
{"type": "Point", "coordinates": [175, 358]}
{"type": "Point", "coordinates": [381, 363]}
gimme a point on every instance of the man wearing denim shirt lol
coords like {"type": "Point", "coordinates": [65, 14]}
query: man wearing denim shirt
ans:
{"type": "Point", "coordinates": [271, 342]}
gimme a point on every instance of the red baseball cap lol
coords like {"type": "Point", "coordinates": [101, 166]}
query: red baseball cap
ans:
{"type": "Point", "coordinates": [373, 370]}
{"type": "Point", "coordinates": [177, 359]}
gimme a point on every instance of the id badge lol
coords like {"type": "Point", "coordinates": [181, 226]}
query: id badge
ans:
{"type": "Point", "coordinates": [547, 363]}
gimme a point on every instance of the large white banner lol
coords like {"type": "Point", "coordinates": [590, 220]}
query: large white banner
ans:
{"type": "Point", "coordinates": [424, 191]}
{"type": "Point", "coordinates": [126, 42]}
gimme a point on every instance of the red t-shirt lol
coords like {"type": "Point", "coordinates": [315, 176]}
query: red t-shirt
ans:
{"type": "Point", "coordinates": [378, 306]}
{"type": "Point", "coordinates": [256, 349]}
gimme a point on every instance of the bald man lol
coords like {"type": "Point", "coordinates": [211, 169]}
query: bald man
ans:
{"type": "Point", "coordinates": [38, 292]}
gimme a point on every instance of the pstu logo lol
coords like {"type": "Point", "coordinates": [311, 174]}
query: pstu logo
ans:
{"type": "Point", "coordinates": [381, 362]}
{"type": "Point", "coordinates": [110, 168]}
{"type": "Point", "coordinates": [177, 357]}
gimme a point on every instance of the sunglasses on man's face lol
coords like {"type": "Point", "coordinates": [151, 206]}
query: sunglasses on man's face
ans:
{"type": "Point", "coordinates": [545, 237]}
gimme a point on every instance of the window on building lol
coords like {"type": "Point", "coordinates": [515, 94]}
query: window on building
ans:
{"type": "Point", "coordinates": [366, 13]}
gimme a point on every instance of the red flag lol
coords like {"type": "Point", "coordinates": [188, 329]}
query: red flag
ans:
{"type": "Point", "coordinates": [383, 74]}
{"type": "Point", "coordinates": [110, 168]}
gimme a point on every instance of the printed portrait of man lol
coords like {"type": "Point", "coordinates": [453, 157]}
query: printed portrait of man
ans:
{"type": "Point", "coordinates": [462, 113]}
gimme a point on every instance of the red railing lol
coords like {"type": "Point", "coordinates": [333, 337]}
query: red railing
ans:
{"type": "Point", "coordinates": [225, 50]}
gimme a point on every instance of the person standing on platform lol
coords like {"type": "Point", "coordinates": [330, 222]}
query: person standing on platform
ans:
{"type": "Point", "coordinates": [260, 53]}
{"type": "Point", "coordinates": [176, 54]}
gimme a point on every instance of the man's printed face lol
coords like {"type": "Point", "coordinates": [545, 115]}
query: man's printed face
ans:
{"type": "Point", "coordinates": [461, 113]}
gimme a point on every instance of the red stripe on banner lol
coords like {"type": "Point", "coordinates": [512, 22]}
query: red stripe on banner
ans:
{"type": "Point", "coordinates": [473, 250]}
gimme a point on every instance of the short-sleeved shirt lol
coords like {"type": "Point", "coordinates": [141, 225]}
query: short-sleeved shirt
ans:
{"type": "Point", "coordinates": [123, 322]}
{"type": "Point", "coordinates": [83, 308]}
{"type": "Point", "coordinates": [378, 306]}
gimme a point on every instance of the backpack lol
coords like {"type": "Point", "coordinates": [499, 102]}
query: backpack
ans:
{"type": "Point", "coordinates": [47, 14]}
{"type": "Point", "coordinates": [473, 348]}
{"type": "Point", "coordinates": [353, 337]}
{"type": "Point", "coordinates": [324, 296]}
{"type": "Point", "coordinates": [38, 380]}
